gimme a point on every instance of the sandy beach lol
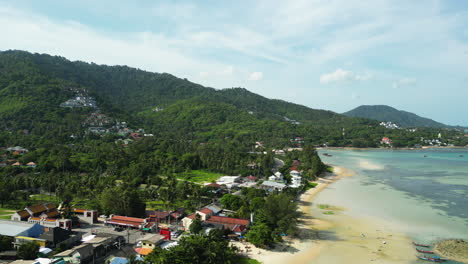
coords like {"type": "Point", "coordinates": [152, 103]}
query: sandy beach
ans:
{"type": "Point", "coordinates": [335, 237]}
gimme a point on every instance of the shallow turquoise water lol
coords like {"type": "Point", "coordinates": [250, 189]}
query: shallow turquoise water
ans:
{"type": "Point", "coordinates": [423, 193]}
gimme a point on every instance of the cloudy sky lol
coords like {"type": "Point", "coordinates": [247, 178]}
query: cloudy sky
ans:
{"type": "Point", "coordinates": [330, 54]}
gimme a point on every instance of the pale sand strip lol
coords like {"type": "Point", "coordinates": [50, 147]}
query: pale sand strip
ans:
{"type": "Point", "coordinates": [355, 240]}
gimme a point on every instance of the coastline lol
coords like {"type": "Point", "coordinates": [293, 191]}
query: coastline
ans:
{"type": "Point", "coordinates": [393, 148]}
{"type": "Point", "coordinates": [336, 238]}
{"type": "Point", "coordinates": [307, 245]}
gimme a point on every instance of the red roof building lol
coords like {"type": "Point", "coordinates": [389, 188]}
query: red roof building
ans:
{"type": "Point", "coordinates": [251, 178]}
{"type": "Point", "coordinates": [240, 229]}
{"type": "Point", "coordinates": [127, 221]}
{"type": "Point", "coordinates": [135, 135]}
{"type": "Point", "coordinates": [213, 185]}
{"type": "Point", "coordinates": [386, 140]}
{"type": "Point", "coordinates": [206, 211]}
{"type": "Point", "coordinates": [227, 222]}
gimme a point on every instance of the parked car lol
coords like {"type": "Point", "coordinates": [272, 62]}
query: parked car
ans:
{"type": "Point", "coordinates": [176, 233]}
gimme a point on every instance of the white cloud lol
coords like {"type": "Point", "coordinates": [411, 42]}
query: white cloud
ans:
{"type": "Point", "coordinates": [403, 82]}
{"type": "Point", "coordinates": [341, 75]}
{"type": "Point", "coordinates": [255, 76]}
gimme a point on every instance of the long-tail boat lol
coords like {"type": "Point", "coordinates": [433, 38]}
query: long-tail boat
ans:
{"type": "Point", "coordinates": [420, 245]}
{"type": "Point", "coordinates": [424, 251]}
{"type": "Point", "coordinates": [433, 259]}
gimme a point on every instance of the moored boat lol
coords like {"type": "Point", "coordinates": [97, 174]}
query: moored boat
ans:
{"type": "Point", "coordinates": [420, 245]}
{"type": "Point", "coordinates": [425, 251]}
{"type": "Point", "coordinates": [433, 259]}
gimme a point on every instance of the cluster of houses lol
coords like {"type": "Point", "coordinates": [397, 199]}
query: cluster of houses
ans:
{"type": "Point", "coordinates": [9, 158]}
{"type": "Point", "coordinates": [213, 217]}
{"type": "Point", "coordinates": [80, 101]}
{"type": "Point", "coordinates": [44, 214]}
{"type": "Point", "coordinates": [297, 142]}
{"type": "Point", "coordinates": [46, 237]}
{"type": "Point", "coordinates": [389, 125]}
{"type": "Point", "coordinates": [292, 121]}
{"type": "Point", "coordinates": [43, 225]}
{"type": "Point", "coordinates": [121, 129]}
{"type": "Point", "coordinates": [275, 182]}
{"type": "Point", "coordinates": [97, 119]}
{"type": "Point", "coordinates": [156, 229]}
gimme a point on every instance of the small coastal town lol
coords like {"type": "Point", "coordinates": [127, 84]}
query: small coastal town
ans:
{"type": "Point", "coordinates": [233, 132]}
{"type": "Point", "coordinates": [65, 234]}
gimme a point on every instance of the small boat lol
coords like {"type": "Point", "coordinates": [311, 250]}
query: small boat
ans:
{"type": "Point", "coordinates": [433, 259]}
{"type": "Point", "coordinates": [425, 156]}
{"type": "Point", "coordinates": [424, 251]}
{"type": "Point", "coordinates": [461, 156]}
{"type": "Point", "coordinates": [420, 245]}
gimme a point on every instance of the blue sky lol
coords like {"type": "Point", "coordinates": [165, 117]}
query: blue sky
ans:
{"type": "Point", "coordinates": [330, 54]}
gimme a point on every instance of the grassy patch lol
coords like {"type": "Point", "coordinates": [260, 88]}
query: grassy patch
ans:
{"type": "Point", "coordinates": [329, 212]}
{"type": "Point", "coordinates": [310, 185]}
{"type": "Point", "coordinates": [6, 217]}
{"type": "Point", "coordinates": [199, 176]}
{"type": "Point", "coordinates": [245, 260]}
{"type": "Point", "coordinates": [4, 211]}
{"type": "Point", "coordinates": [44, 198]}
{"type": "Point", "coordinates": [329, 169]}
{"type": "Point", "coordinates": [329, 208]}
{"type": "Point", "coordinates": [323, 206]}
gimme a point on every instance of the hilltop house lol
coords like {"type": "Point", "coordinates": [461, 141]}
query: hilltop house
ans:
{"type": "Point", "coordinates": [386, 141]}
{"type": "Point", "coordinates": [17, 149]}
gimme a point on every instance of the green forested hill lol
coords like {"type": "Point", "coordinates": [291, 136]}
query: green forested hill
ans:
{"type": "Point", "coordinates": [32, 87]}
{"type": "Point", "coordinates": [40, 82]}
{"type": "Point", "coordinates": [390, 114]}
{"type": "Point", "coordinates": [136, 90]}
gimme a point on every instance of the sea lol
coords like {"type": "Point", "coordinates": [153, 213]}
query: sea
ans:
{"type": "Point", "coordinates": [422, 192]}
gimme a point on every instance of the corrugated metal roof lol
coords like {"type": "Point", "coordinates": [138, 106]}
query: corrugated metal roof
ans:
{"type": "Point", "coordinates": [12, 228]}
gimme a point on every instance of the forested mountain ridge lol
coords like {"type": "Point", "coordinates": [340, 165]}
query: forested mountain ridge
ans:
{"type": "Point", "coordinates": [137, 90]}
{"type": "Point", "coordinates": [34, 86]}
{"type": "Point", "coordinates": [389, 114]}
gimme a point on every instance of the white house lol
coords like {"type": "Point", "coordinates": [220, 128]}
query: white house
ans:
{"type": "Point", "coordinates": [276, 177]}
{"type": "Point", "coordinates": [270, 186]}
{"type": "Point", "coordinates": [229, 181]}
{"type": "Point", "coordinates": [295, 173]}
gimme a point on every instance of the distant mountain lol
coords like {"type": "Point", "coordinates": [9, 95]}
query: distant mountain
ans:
{"type": "Point", "coordinates": [387, 113]}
